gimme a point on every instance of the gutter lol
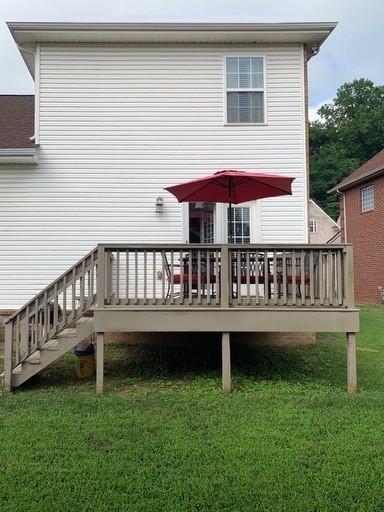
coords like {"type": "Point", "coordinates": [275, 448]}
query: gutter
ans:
{"type": "Point", "coordinates": [161, 27]}
{"type": "Point", "coordinates": [368, 177]}
{"type": "Point", "coordinates": [18, 156]}
{"type": "Point", "coordinates": [339, 193]}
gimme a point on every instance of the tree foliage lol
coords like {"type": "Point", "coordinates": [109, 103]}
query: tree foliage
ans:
{"type": "Point", "coordinates": [350, 132]}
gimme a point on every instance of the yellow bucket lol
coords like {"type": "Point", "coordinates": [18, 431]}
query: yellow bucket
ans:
{"type": "Point", "coordinates": [85, 362]}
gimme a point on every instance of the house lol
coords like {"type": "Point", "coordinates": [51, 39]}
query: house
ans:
{"type": "Point", "coordinates": [362, 224]}
{"type": "Point", "coordinates": [322, 228]}
{"type": "Point", "coordinates": [123, 110]}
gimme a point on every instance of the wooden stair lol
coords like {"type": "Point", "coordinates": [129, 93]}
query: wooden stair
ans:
{"type": "Point", "coordinates": [51, 351]}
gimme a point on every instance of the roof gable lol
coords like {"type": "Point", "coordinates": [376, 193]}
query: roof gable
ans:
{"type": "Point", "coordinates": [369, 170]}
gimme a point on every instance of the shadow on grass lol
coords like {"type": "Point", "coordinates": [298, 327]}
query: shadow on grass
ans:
{"type": "Point", "coordinates": [127, 364]}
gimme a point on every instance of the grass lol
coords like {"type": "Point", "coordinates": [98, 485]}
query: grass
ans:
{"type": "Point", "coordinates": [164, 438]}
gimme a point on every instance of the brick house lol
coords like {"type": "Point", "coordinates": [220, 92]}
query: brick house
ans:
{"type": "Point", "coordinates": [362, 224]}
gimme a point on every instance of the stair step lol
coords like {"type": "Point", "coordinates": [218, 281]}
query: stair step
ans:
{"type": "Point", "coordinates": [50, 345]}
{"type": "Point", "coordinates": [34, 358]}
{"type": "Point", "coordinates": [18, 369]}
{"type": "Point", "coordinates": [67, 333]}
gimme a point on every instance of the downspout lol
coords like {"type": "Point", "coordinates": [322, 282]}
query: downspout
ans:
{"type": "Point", "coordinates": [338, 192]}
{"type": "Point", "coordinates": [31, 52]}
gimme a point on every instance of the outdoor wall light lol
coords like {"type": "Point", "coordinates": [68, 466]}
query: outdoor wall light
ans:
{"type": "Point", "coordinates": [159, 204]}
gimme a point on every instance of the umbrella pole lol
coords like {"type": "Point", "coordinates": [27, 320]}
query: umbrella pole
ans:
{"type": "Point", "coordinates": [230, 211]}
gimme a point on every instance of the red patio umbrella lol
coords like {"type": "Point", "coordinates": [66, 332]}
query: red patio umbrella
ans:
{"type": "Point", "coordinates": [232, 187]}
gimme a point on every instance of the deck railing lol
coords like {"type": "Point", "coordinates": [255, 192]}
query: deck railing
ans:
{"type": "Point", "coordinates": [225, 275]}
{"type": "Point", "coordinates": [184, 276]}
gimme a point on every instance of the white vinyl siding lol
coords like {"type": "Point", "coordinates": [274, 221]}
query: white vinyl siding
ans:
{"type": "Point", "coordinates": [117, 125]}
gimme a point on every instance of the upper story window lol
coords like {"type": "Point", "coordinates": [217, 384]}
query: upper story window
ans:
{"type": "Point", "coordinates": [245, 94]}
{"type": "Point", "coordinates": [312, 225]}
{"type": "Point", "coordinates": [367, 199]}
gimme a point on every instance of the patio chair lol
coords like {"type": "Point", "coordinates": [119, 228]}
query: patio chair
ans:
{"type": "Point", "coordinates": [294, 276]}
{"type": "Point", "coordinates": [185, 279]}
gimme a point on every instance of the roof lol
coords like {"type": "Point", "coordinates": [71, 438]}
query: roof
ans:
{"type": "Point", "coordinates": [311, 34]}
{"type": "Point", "coordinates": [369, 170]}
{"type": "Point", "coordinates": [16, 128]}
{"type": "Point", "coordinates": [324, 213]}
{"type": "Point", "coordinates": [16, 121]}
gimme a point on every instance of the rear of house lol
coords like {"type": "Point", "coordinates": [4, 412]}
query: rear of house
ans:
{"type": "Point", "coordinates": [362, 224]}
{"type": "Point", "coordinates": [122, 111]}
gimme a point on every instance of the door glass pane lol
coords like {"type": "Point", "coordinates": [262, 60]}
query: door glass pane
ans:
{"type": "Point", "coordinates": [240, 220]}
{"type": "Point", "coordinates": [202, 223]}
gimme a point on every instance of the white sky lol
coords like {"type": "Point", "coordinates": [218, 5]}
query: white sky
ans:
{"type": "Point", "coordinates": [354, 50]}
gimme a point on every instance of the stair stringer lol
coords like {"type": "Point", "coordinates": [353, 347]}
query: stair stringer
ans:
{"type": "Point", "coordinates": [52, 351]}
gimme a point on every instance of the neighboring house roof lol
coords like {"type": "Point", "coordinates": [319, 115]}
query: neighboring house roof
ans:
{"type": "Point", "coordinates": [28, 34]}
{"type": "Point", "coordinates": [369, 170]}
{"type": "Point", "coordinates": [16, 128]}
{"type": "Point", "coordinates": [325, 214]}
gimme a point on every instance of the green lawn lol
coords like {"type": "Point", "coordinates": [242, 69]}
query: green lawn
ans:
{"type": "Point", "coordinates": [164, 438]}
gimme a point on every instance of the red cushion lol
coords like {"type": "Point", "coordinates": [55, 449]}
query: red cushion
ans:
{"type": "Point", "coordinates": [194, 279]}
{"type": "Point", "coordinates": [252, 279]}
{"type": "Point", "coordinates": [271, 279]}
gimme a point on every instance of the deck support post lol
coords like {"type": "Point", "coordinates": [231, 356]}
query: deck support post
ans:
{"type": "Point", "coordinates": [226, 362]}
{"type": "Point", "coordinates": [99, 362]}
{"type": "Point", "coordinates": [351, 362]}
{"type": "Point", "coordinates": [8, 349]}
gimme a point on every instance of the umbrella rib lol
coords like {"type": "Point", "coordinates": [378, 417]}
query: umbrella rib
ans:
{"type": "Point", "coordinates": [194, 192]}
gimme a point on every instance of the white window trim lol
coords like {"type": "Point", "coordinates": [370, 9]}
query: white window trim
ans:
{"type": "Point", "coordinates": [218, 228]}
{"type": "Point", "coordinates": [313, 222]}
{"type": "Point", "coordinates": [225, 90]}
{"type": "Point", "coordinates": [221, 222]}
{"type": "Point", "coordinates": [365, 210]}
{"type": "Point", "coordinates": [243, 205]}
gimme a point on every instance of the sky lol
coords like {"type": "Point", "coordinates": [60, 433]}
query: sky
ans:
{"type": "Point", "coordinates": [354, 50]}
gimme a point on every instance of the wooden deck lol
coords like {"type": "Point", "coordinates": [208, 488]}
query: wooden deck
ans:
{"type": "Point", "coordinates": [188, 288]}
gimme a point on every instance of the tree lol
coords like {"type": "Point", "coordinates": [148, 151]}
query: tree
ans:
{"type": "Point", "coordinates": [350, 131]}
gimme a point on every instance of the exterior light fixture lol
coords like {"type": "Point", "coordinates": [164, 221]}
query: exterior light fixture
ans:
{"type": "Point", "coordinates": [159, 204]}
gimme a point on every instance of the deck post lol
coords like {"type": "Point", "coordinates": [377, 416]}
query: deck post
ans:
{"type": "Point", "coordinates": [99, 362]}
{"type": "Point", "coordinates": [8, 349]}
{"type": "Point", "coordinates": [100, 276]}
{"type": "Point", "coordinates": [226, 362]}
{"type": "Point", "coordinates": [351, 362]}
{"type": "Point", "coordinates": [349, 280]}
{"type": "Point", "coordinates": [225, 286]}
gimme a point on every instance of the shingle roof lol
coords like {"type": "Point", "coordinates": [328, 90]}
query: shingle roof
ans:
{"type": "Point", "coordinates": [16, 121]}
{"type": "Point", "coordinates": [363, 173]}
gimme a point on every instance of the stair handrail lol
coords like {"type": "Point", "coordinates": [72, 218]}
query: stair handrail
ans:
{"type": "Point", "coordinates": [48, 313]}
{"type": "Point", "coordinates": [51, 285]}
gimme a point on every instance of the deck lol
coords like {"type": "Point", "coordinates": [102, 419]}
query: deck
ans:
{"type": "Point", "coordinates": [185, 287]}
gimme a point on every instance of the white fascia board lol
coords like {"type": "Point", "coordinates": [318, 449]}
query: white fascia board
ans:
{"type": "Point", "coordinates": [312, 34]}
